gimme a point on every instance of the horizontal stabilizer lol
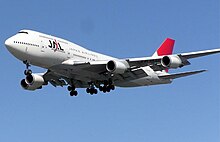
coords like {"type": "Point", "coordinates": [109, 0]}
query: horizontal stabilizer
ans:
{"type": "Point", "coordinates": [178, 75]}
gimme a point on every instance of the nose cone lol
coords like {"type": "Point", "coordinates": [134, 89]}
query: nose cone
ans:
{"type": "Point", "coordinates": [8, 43]}
{"type": "Point", "coordinates": [15, 49]}
{"type": "Point", "coordinates": [12, 48]}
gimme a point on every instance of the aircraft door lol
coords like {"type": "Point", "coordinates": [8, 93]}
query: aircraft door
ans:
{"type": "Point", "coordinates": [68, 54]}
{"type": "Point", "coordinates": [43, 46]}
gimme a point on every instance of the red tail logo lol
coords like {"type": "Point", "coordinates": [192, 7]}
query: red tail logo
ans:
{"type": "Point", "coordinates": [166, 47]}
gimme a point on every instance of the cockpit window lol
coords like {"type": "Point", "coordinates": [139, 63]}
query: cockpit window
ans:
{"type": "Point", "coordinates": [23, 32]}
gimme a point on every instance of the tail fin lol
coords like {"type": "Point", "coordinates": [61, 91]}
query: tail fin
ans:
{"type": "Point", "coordinates": [166, 48]}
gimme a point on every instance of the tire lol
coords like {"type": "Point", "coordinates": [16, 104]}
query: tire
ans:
{"type": "Point", "coordinates": [69, 88]}
{"type": "Point", "coordinates": [87, 90]}
{"type": "Point", "coordinates": [108, 89]}
{"type": "Point", "coordinates": [95, 91]}
{"type": "Point", "coordinates": [104, 90]}
{"type": "Point", "coordinates": [75, 93]}
{"type": "Point", "coordinates": [71, 93]}
{"type": "Point", "coordinates": [100, 88]}
{"type": "Point", "coordinates": [25, 72]}
{"type": "Point", "coordinates": [92, 90]}
{"type": "Point", "coordinates": [29, 72]}
{"type": "Point", "coordinates": [112, 87]}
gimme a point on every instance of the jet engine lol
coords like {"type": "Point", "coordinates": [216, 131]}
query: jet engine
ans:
{"type": "Point", "coordinates": [171, 61]}
{"type": "Point", "coordinates": [32, 82]}
{"type": "Point", "coordinates": [116, 67]}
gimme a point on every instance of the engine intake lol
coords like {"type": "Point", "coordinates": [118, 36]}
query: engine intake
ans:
{"type": "Point", "coordinates": [32, 82]}
{"type": "Point", "coordinates": [171, 62]}
{"type": "Point", "coordinates": [116, 67]}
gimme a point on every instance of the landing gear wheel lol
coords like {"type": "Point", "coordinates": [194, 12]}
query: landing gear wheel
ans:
{"type": "Point", "coordinates": [100, 88]}
{"type": "Point", "coordinates": [72, 90]}
{"type": "Point", "coordinates": [73, 93]}
{"type": "Point", "coordinates": [108, 89]}
{"type": "Point", "coordinates": [69, 88]}
{"type": "Point", "coordinates": [27, 72]}
{"type": "Point", "coordinates": [92, 88]}
{"type": "Point", "coordinates": [112, 87]}
{"type": "Point", "coordinates": [91, 91]}
{"type": "Point", "coordinates": [95, 91]}
{"type": "Point", "coordinates": [87, 90]}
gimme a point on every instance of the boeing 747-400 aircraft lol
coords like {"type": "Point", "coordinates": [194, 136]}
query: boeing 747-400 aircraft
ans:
{"type": "Point", "coordinates": [71, 65]}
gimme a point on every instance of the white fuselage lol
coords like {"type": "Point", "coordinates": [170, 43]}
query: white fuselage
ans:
{"type": "Point", "coordinates": [46, 51]}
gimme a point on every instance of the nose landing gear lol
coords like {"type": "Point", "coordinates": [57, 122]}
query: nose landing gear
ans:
{"type": "Point", "coordinates": [27, 70]}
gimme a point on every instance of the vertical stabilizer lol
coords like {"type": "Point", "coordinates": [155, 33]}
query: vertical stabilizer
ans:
{"type": "Point", "coordinates": [166, 48]}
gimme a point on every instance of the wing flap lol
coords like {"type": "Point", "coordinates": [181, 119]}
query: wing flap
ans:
{"type": "Point", "coordinates": [54, 79]}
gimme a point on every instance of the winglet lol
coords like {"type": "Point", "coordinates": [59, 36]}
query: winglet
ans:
{"type": "Point", "coordinates": [166, 48]}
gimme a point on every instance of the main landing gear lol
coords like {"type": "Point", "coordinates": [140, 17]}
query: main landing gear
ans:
{"type": "Point", "coordinates": [72, 90]}
{"type": "Point", "coordinates": [106, 87]}
{"type": "Point", "coordinates": [91, 90]}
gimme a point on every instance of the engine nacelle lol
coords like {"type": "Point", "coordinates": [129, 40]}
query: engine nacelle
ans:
{"type": "Point", "coordinates": [32, 82]}
{"type": "Point", "coordinates": [116, 67]}
{"type": "Point", "coordinates": [171, 62]}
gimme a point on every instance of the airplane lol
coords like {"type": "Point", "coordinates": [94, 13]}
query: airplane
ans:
{"type": "Point", "coordinates": [71, 65]}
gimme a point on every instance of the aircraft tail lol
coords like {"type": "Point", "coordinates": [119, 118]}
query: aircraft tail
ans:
{"type": "Point", "coordinates": [166, 48]}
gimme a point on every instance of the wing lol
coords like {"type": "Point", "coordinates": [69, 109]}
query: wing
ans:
{"type": "Point", "coordinates": [155, 61]}
{"type": "Point", "coordinates": [83, 72]}
{"type": "Point", "coordinates": [77, 73]}
{"type": "Point", "coordinates": [80, 72]}
{"type": "Point", "coordinates": [199, 53]}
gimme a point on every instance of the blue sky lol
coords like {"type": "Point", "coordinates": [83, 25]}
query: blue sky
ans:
{"type": "Point", "coordinates": [187, 110]}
